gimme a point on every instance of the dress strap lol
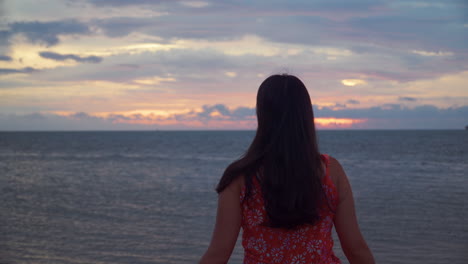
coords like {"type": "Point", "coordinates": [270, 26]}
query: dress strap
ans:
{"type": "Point", "coordinates": [327, 180]}
{"type": "Point", "coordinates": [326, 159]}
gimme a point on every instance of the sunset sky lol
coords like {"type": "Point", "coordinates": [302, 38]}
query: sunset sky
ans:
{"type": "Point", "coordinates": [167, 64]}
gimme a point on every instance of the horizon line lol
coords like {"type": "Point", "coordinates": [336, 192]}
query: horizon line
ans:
{"type": "Point", "coordinates": [232, 130]}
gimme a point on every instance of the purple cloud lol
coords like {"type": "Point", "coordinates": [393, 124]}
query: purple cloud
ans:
{"type": "Point", "coordinates": [63, 57]}
{"type": "Point", "coordinates": [388, 116]}
{"type": "Point", "coordinates": [23, 70]}
{"type": "Point", "coordinates": [45, 33]}
{"type": "Point", "coordinates": [352, 101]}
{"type": "Point", "coordinates": [5, 58]}
{"type": "Point", "coordinates": [407, 99]}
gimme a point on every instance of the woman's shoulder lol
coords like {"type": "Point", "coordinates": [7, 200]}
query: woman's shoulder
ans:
{"type": "Point", "coordinates": [339, 178]}
{"type": "Point", "coordinates": [237, 184]}
{"type": "Point", "coordinates": [334, 169]}
{"type": "Point", "coordinates": [335, 166]}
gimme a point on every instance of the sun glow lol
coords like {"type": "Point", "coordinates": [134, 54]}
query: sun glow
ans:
{"type": "Point", "coordinates": [331, 122]}
{"type": "Point", "coordinates": [353, 82]}
{"type": "Point", "coordinates": [154, 80]}
{"type": "Point", "coordinates": [165, 118]}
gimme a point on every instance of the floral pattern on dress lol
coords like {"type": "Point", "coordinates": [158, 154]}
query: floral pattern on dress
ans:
{"type": "Point", "coordinates": [307, 244]}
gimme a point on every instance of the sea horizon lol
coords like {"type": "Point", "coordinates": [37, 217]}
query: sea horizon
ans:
{"type": "Point", "coordinates": [235, 130]}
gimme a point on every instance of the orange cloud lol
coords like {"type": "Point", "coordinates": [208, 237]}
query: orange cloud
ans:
{"type": "Point", "coordinates": [197, 124]}
{"type": "Point", "coordinates": [331, 122]}
{"type": "Point", "coordinates": [213, 120]}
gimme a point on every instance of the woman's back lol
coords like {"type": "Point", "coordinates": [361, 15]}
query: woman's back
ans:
{"type": "Point", "coordinates": [305, 244]}
{"type": "Point", "coordinates": [288, 210]}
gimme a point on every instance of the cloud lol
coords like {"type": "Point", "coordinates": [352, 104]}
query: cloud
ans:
{"type": "Point", "coordinates": [63, 57]}
{"type": "Point", "coordinates": [195, 4]}
{"type": "Point", "coordinates": [221, 112]}
{"type": "Point", "coordinates": [123, 26]}
{"type": "Point", "coordinates": [210, 114]}
{"type": "Point", "coordinates": [432, 53]}
{"type": "Point", "coordinates": [338, 105]}
{"type": "Point", "coordinates": [128, 3]}
{"type": "Point", "coordinates": [339, 40]}
{"type": "Point", "coordinates": [219, 116]}
{"type": "Point", "coordinates": [122, 3]}
{"type": "Point", "coordinates": [4, 36]}
{"type": "Point", "coordinates": [154, 80]}
{"type": "Point", "coordinates": [414, 28]}
{"type": "Point", "coordinates": [352, 101]}
{"type": "Point", "coordinates": [395, 111]}
{"type": "Point", "coordinates": [330, 23]}
{"type": "Point", "coordinates": [407, 99]}
{"type": "Point", "coordinates": [180, 55]}
{"type": "Point", "coordinates": [23, 70]}
{"type": "Point", "coordinates": [353, 82]}
{"type": "Point", "coordinates": [335, 30]}
{"type": "Point", "coordinates": [45, 33]}
{"type": "Point", "coordinates": [185, 69]}
{"type": "Point", "coordinates": [5, 58]}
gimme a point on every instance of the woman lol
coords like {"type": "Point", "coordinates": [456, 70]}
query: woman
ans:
{"type": "Point", "coordinates": [284, 194]}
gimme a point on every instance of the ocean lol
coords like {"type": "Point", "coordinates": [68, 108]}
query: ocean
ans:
{"type": "Point", "coordinates": [148, 197]}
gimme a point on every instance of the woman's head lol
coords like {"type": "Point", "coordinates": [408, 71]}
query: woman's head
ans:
{"type": "Point", "coordinates": [284, 108]}
{"type": "Point", "coordinates": [284, 153]}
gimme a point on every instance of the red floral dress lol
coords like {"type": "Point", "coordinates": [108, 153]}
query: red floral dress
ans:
{"type": "Point", "coordinates": [308, 244]}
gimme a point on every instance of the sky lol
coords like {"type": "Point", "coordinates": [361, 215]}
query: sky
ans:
{"type": "Point", "coordinates": [183, 65]}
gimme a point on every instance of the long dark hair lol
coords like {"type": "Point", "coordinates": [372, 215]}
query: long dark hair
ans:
{"type": "Point", "coordinates": [284, 155]}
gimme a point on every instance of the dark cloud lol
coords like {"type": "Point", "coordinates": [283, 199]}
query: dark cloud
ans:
{"type": "Point", "coordinates": [412, 28]}
{"type": "Point", "coordinates": [352, 101]}
{"type": "Point", "coordinates": [383, 34]}
{"type": "Point", "coordinates": [34, 116]}
{"type": "Point", "coordinates": [387, 111]}
{"type": "Point", "coordinates": [80, 115]}
{"type": "Point", "coordinates": [128, 3]}
{"type": "Point", "coordinates": [339, 23]}
{"type": "Point", "coordinates": [242, 112]}
{"type": "Point", "coordinates": [4, 36]}
{"type": "Point", "coordinates": [400, 24]}
{"type": "Point", "coordinates": [118, 117]}
{"type": "Point", "coordinates": [200, 70]}
{"type": "Point", "coordinates": [340, 105]}
{"type": "Point", "coordinates": [180, 25]}
{"type": "Point", "coordinates": [63, 57]}
{"type": "Point", "coordinates": [374, 28]}
{"type": "Point", "coordinates": [204, 67]}
{"type": "Point", "coordinates": [5, 58]}
{"type": "Point", "coordinates": [218, 112]}
{"type": "Point", "coordinates": [394, 111]}
{"type": "Point", "coordinates": [44, 33]}
{"type": "Point", "coordinates": [23, 70]}
{"type": "Point", "coordinates": [407, 99]}
{"type": "Point", "coordinates": [123, 26]}
{"type": "Point", "coordinates": [388, 116]}
{"type": "Point", "coordinates": [208, 110]}
{"type": "Point", "coordinates": [128, 66]}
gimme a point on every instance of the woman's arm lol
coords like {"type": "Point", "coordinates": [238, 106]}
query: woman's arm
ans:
{"type": "Point", "coordinates": [352, 242]}
{"type": "Point", "coordinates": [228, 223]}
